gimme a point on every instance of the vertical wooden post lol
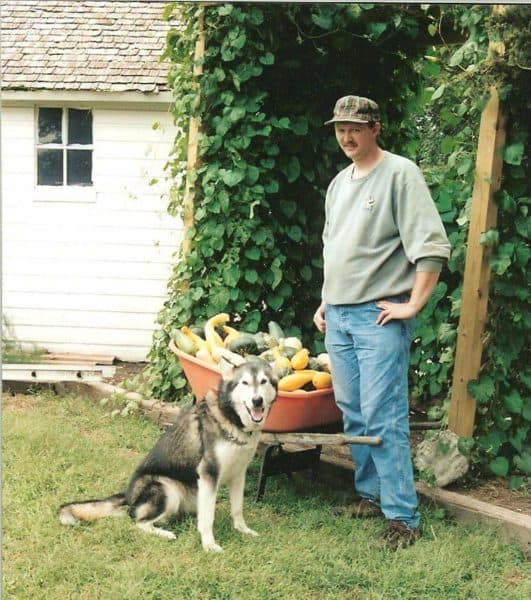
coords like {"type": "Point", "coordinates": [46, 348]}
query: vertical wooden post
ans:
{"type": "Point", "coordinates": [475, 292]}
{"type": "Point", "coordinates": [193, 140]}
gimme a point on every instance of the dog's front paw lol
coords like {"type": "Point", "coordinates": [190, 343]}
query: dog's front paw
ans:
{"type": "Point", "coordinates": [167, 535]}
{"type": "Point", "coordinates": [247, 530]}
{"type": "Point", "coordinates": [212, 547]}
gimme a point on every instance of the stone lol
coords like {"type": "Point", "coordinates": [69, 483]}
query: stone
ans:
{"type": "Point", "coordinates": [440, 459]}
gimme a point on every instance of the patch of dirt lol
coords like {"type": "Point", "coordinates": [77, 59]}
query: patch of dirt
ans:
{"type": "Point", "coordinates": [126, 371]}
{"type": "Point", "coordinates": [94, 435]}
{"type": "Point", "coordinates": [495, 491]}
{"type": "Point", "coordinates": [513, 578]}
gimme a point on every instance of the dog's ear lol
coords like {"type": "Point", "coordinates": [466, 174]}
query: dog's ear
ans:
{"type": "Point", "coordinates": [228, 362]}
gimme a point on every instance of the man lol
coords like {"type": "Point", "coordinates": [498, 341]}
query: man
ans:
{"type": "Point", "coordinates": [384, 246]}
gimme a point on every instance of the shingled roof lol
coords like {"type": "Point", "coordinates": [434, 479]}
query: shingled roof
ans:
{"type": "Point", "coordinates": [93, 45]}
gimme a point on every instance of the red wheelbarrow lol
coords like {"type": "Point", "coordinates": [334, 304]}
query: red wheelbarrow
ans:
{"type": "Point", "coordinates": [304, 418]}
{"type": "Point", "coordinates": [292, 411]}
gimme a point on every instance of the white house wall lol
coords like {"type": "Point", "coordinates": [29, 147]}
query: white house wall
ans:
{"type": "Point", "coordinates": [88, 272]}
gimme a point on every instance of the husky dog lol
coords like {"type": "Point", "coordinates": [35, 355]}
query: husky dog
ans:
{"type": "Point", "coordinates": [211, 443]}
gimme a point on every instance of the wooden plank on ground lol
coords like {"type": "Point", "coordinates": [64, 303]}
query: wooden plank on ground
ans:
{"type": "Point", "coordinates": [513, 525]}
{"type": "Point", "coordinates": [74, 357]}
{"type": "Point", "coordinates": [50, 373]}
{"type": "Point", "coordinates": [67, 361]}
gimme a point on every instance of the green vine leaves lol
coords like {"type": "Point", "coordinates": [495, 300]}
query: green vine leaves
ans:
{"type": "Point", "coordinates": [460, 81]}
{"type": "Point", "coordinates": [265, 159]}
{"type": "Point", "coordinates": [271, 73]}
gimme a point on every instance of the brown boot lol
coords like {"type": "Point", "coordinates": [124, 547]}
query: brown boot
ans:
{"type": "Point", "coordinates": [360, 509]}
{"type": "Point", "coordinates": [398, 535]}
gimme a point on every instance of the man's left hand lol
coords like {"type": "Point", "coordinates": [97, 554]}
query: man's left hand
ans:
{"type": "Point", "coordinates": [395, 310]}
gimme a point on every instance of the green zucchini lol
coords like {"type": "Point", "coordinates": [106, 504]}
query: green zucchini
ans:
{"type": "Point", "coordinates": [289, 351]}
{"type": "Point", "coordinates": [314, 364]}
{"type": "Point", "coordinates": [183, 342]}
{"type": "Point", "coordinates": [275, 330]}
{"type": "Point", "coordinates": [243, 344]}
{"type": "Point", "coordinates": [261, 341]}
{"type": "Point", "coordinates": [283, 371]}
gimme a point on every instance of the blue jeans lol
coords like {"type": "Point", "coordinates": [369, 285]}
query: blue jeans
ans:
{"type": "Point", "coordinates": [369, 365]}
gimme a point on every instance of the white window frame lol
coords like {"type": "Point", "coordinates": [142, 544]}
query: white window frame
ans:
{"type": "Point", "coordinates": [64, 192]}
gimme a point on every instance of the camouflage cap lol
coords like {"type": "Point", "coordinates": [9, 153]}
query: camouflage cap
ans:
{"type": "Point", "coordinates": [355, 109]}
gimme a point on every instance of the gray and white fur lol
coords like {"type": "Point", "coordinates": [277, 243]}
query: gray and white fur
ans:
{"type": "Point", "coordinates": [210, 444]}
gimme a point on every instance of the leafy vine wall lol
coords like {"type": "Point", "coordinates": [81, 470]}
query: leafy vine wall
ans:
{"type": "Point", "coordinates": [271, 73]}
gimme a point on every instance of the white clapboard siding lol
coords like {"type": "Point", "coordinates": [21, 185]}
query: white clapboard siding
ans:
{"type": "Point", "coordinates": [122, 134]}
{"type": "Point", "coordinates": [77, 318]}
{"type": "Point", "coordinates": [131, 187]}
{"type": "Point", "coordinates": [90, 303]}
{"type": "Point", "coordinates": [74, 283]}
{"type": "Point", "coordinates": [50, 213]}
{"type": "Point", "coordinates": [13, 165]}
{"type": "Point", "coordinates": [92, 233]}
{"type": "Point", "coordinates": [88, 271]}
{"type": "Point", "coordinates": [137, 151]}
{"type": "Point", "coordinates": [81, 251]}
{"type": "Point", "coordinates": [110, 269]}
{"type": "Point", "coordinates": [90, 335]}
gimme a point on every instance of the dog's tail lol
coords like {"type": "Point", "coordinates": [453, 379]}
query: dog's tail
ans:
{"type": "Point", "coordinates": [91, 510]}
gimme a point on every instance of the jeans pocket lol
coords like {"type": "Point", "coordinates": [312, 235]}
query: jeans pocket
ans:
{"type": "Point", "coordinates": [409, 326]}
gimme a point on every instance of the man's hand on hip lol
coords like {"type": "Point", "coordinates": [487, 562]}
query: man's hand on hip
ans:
{"type": "Point", "coordinates": [395, 310]}
{"type": "Point", "coordinates": [319, 318]}
{"type": "Point", "coordinates": [423, 286]}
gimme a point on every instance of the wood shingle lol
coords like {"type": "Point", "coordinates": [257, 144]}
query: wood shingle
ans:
{"type": "Point", "coordinates": [98, 45]}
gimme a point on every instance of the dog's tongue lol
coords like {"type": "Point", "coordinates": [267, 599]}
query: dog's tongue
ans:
{"type": "Point", "coordinates": [257, 414]}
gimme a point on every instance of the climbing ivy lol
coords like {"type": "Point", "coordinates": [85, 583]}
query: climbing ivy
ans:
{"type": "Point", "coordinates": [266, 157]}
{"type": "Point", "coordinates": [460, 78]}
{"type": "Point", "coordinates": [271, 74]}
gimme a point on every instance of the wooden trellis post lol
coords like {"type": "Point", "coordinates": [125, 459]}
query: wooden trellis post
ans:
{"type": "Point", "coordinates": [475, 292]}
{"type": "Point", "coordinates": [193, 140]}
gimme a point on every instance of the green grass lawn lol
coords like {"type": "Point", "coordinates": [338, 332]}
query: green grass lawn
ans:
{"type": "Point", "coordinates": [57, 449]}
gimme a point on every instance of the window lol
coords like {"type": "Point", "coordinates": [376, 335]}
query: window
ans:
{"type": "Point", "coordinates": [64, 147]}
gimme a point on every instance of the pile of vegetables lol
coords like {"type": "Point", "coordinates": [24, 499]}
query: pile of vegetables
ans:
{"type": "Point", "coordinates": [290, 360]}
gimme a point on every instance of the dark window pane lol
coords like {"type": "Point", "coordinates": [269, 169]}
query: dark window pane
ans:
{"type": "Point", "coordinates": [49, 167]}
{"type": "Point", "coordinates": [79, 167]}
{"type": "Point", "coordinates": [50, 125]}
{"type": "Point", "coordinates": [79, 126]}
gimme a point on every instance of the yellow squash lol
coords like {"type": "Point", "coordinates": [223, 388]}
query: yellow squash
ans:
{"type": "Point", "coordinates": [322, 380]}
{"type": "Point", "coordinates": [212, 337]}
{"type": "Point", "coordinates": [231, 331]}
{"type": "Point", "coordinates": [204, 355]}
{"type": "Point", "coordinates": [199, 341]}
{"type": "Point", "coordinates": [301, 359]}
{"type": "Point", "coordinates": [295, 381]}
{"type": "Point", "coordinates": [282, 362]}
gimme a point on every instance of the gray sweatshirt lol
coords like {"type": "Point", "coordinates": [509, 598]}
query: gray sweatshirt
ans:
{"type": "Point", "coordinates": [379, 231]}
